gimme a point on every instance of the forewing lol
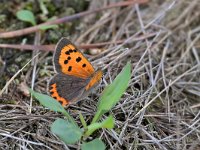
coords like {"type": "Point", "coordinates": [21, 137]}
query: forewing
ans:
{"type": "Point", "coordinates": [69, 60]}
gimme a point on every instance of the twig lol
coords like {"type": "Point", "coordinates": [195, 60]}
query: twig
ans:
{"type": "Point", "coordinates": [82, 46]}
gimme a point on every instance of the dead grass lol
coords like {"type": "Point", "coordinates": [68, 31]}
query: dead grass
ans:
{"type": "Point", "coordinates": [160, 109]}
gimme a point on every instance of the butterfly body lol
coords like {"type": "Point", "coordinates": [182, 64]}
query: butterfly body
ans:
{"type": "Point", "coordinates": [75, 75]}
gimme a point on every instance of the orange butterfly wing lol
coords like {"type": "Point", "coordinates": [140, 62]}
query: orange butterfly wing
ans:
{"type": "Point", "coordinates": [75, 75]}
{"type": "Point", "coordinates": [70, 61]}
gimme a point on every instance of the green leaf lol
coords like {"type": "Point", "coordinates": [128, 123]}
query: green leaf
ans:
{"type": "Point", "coordinates": [51, 103]}
{"type": "Point", "coordinates": [83, 121]}
{"type": "Point", "coordinates": [27, 16]}
{"type": "Point", "coordinates": [45, 27]}
{"type": "Point", "coordinates": [48, 101]}
{"type": "Point", "coordinates": [66, 131]}
{"type": "Point", "coordinates": [112, 93]}
{"type": "Point", "coordinates": [108, 123]}
{"type": "Point", "coordinates": [96, 144]}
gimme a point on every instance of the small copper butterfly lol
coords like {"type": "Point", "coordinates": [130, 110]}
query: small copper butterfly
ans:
{"type": "Point", "coordinates": [75, 74]}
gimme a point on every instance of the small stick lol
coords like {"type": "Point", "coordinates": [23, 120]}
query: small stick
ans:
{"type": "Point", "coordinates": [51, 47]}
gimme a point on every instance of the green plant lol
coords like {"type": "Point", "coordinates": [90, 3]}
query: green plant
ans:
{"type": "Point", "coordinates": [67, 129]}
{"type": "Point", "coordinates": [28, 16]}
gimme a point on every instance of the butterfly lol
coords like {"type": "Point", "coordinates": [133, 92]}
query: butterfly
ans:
{"type": "Point", "coordinates": [75, 75]}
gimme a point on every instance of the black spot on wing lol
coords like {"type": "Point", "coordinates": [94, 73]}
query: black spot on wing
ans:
{"type": "Point", "coordinates": [70, 68]}
{"type": "Point", "coordinates": [78, 59]}
{"type": "Point", "coordinates": [84, 65]}
{"type": "Point", "coordinates": [66, 62]}
{"type": "Point", "coordinates": [67, 53]}
{"type": "Point", "coordinates": [61, 102]}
